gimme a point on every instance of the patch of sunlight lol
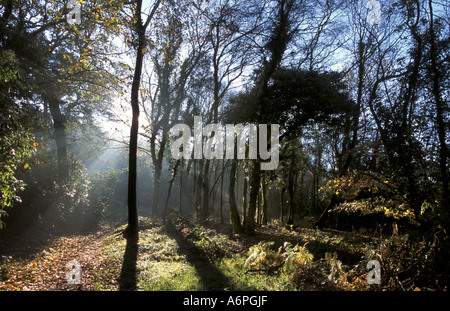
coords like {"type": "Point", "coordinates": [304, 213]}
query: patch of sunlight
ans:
{"type": "Point", "coordinates": [234, 269]}
{"type": "Point", "coordinates": [167, 276]}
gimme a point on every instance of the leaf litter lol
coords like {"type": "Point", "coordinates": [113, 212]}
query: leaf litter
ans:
{"type": "Point", "coordinates": [48, 270]}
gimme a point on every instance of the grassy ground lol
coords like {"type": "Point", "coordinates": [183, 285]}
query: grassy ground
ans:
{"type": "Point", "coordinates": [183, 256]}
{"type": "Point", "coordinates": [180, 255]}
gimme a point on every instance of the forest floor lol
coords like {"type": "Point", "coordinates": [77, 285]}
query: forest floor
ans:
{"type": "Point", "coordinates": [180, 255]}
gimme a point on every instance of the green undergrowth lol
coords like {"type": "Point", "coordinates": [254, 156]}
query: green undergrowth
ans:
{"type": "Point", "coordinates": [190, 257]}
{"type": "Point", "coordinates": [159, 266]}
{"type": "Point", "coordinates": [181, 255]}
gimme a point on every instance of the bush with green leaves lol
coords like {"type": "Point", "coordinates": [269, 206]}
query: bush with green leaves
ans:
{"type": "Point", "coordinates": [62, 202]}
{"type": "Point", "coordinates": [102, 186]}
{"type": "Point", "coordinates": [73, 203]}
{"type": "Point", "coordinates": [16, 141]}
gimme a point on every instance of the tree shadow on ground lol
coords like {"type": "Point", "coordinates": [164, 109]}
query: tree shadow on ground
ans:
{"type": "Point", "coordinates": [211, 278]}
{"type": "Point", "coordinates": [128, 273]}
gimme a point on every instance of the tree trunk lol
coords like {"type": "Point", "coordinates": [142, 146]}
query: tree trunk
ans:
{"type": "Point", "coordinates": [234, 214]}
{"type": "Point", "coordinates": [133, 226]}
{"type": "Point", "coordinates": [195, 185]}
{"type": "Point", "coordinates": [156, 190]}
{"type": "Point", "coordinates": [291, 199]}
{"type": "Point", "coordinates": [174, 175]}
{"type": "Point", "coordinates": [213, 190]}
{"type": "Point", "coordinates": [132, 173]}
{"type": "Point", "coordinates": [435, 76]}
{"type": "Point", "coordinates": [282, 191]}
{"type": "Point", "coordinates": [244, 201]}
{"type": "Point", "coordinates": [181, 187]}
{"type": "Point", "coordinates": [60, 137]}
{"type": "Point", "coordinates": [253, 199]}
{"type": "Point", "coordinates": [264, 206]}
{"type": "Point", "coordinates": [320, 223]}
{"type": "Point", "coordinates": [221, 191]}
{"type": "Point", "coordinates": [205, 204]}
{"type": "Point", "coordinates": [277, 45]}
{"type": "Point", "coordinates": [259, 207]}
{"type": "Point", "coordinates": [198, 192]}
{"type": "Point", "coordinates": [357, 112]}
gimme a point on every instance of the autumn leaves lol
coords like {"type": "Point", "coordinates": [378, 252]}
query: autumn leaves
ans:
{"type": "Point", "coordinates": [48, 269]}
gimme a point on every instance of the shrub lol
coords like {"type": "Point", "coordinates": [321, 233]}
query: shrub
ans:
{"type": "Point", "coordinates": [410, 265]}
{"type": "Point", "coordinates": [101, 188]}
{"type": "Point", "coordinates": [288, 258]}
{"type": "Point", "coordinates": [71, 204]}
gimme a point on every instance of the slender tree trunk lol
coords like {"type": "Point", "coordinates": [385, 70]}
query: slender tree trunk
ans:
{"type": "Point", "coordinates": [258, 207]}
{"type": "Point", "coordinates": [181, 188]}
{"type": "Point", "coordinates": [60, 137]}
{"type": "Point", "coordinates": [132, 167]}
{"type": "Point", "coordinates": [213, 190]}
{"type": "Point", "coordinates": [291, 199]}
{"type": "Point", "coordinates": [199, 191]}
{"type": "Point", "coordinates": [407, 154]}
{"type": "Point", "coordinates": [158, 158]}
{"type": "Point", "coordinates": [205, 204]}
{"type": "Point", "coordinates": [253, 199]}
{"type": "Point", "coordinates": [156, 190]}
{"type": "Point", "coordinates": [264, 207]}
{"type": "Point", "coordinates": [282, 191]}
{"type": "Point", "coordinates": [132, 173]}
{"type": "Point", "coordinates": [301, 203]}
{"type": "Point", "coordinates": [221, 192]}
{"type": "Point", "coordinates": [234, 214]}
{"type": "Point", "coordinates": [174, 175]}
{"type": "Point", "coordinates": [195, 185]}
{"type": "Point", "coordinates": [435, 76]}
{"type": "Point", "coordinates": [133, 226]}
{"type": "Point", "coordinates": [244, 200]}
{"type": "Point", "coordinates": [313, 193]}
